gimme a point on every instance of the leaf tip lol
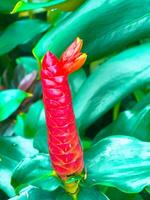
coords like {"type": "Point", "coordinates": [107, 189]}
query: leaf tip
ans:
{"type": "Point", "coordinates": [17, 6]}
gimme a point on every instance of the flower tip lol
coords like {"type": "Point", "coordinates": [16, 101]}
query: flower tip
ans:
{"type": "Point", "coordinates": [79, 40]}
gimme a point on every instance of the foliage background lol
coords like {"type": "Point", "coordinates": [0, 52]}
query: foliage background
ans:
{"type": "Point", "coordinates": [111, 96]}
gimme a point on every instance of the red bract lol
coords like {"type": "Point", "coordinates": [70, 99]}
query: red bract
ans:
{"type": "Point", "coordinates": [64, 145]}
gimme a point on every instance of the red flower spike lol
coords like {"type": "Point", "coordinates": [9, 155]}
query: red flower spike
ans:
{"type": "Point", "coordinates": [63, 141]}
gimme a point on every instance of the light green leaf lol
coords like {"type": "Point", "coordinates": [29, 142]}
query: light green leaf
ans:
{"type": "Point", "coordinates": [40, 140]}
{"type": "Point", "coordinates": [25, 6]}
{"type": "Point", "coordinates": [10, 100]}
{"type": "Point", "coordinates": [20, 34]}
{"type": "Point", "coordinates": [105, 26]}
{"type": "Point", "coordinates": [35, 171]}
{"type": "Point", "coordinates": [33, 119]}
{"type": "Point", "coordinates": [110, 82]}
{"type": "Point", "coordinates": [34, 193]}
{"type": "Point", "coordinates": [28, 63]}
{"type": "Point", "coordinates": [119, 161]}
{"type": "Point", "coordinates": [28, 124]}
{"type": "Point", "coordinates": [12, 150]}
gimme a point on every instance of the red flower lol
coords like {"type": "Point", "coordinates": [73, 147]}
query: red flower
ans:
{"type": "Point", "coordinates": [63, 141]}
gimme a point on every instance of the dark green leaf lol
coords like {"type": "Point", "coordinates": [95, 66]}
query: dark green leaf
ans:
{"type": "Point", "coordinates": [119, 161]}
{"type": "Point", "coordinates": [35, 171]}
{"type": "Point", "coordinates": [129, 123]}
{"type": "Point", "coordinates": [7, 5]}
{"type": "Point", "coordinates": [105, 26]}
{"type": "Point", "coordinates": [10, 100]}
{"type": "Point", "coordinates": [76, 79]}
{"type": "Point", "coordinates": [114, 194]}
{"type": "Point", "coordinates": [12, 150]}
{"type": "Point", "coordinates": [110, 82]}
{"type": "Point", "coordinates": [142, 104]}
{"type": "Point", "coordinates": [91, 194]}
{"type": "Point", "coordinates": [20, 34]}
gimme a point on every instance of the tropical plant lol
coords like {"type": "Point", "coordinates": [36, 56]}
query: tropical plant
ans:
{"type": "Point", "coordinates": [110, 97]}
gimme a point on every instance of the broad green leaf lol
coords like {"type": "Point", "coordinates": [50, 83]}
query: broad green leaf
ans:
{"type": "Point", "coordinates": [110, 82]}
{"type": "Point", "coordinates": [34, 193]}
{"type": "Point", "coordinates": [25, 6]}
{"type": "Point", "coordinates": [105, 26]}
{"type": "Point", "coordinates": [10, 100]}
{"type": "Point", "coordinates": [119, 161]}
{"type": "Point", "coordinates": [22, 32]}
{"type": "Point", "coordinates": [12, 150]}
{"type": "Point", "coordinates": [28, 63]}
{"type": "Point", "coordinates": [130, 123]}
{"type": "Point", "coordinates": [35, 171]}
{"type": "Point", "coordinates": [91, 194]}
{"type": "Point", "coordinates": [76, 79]}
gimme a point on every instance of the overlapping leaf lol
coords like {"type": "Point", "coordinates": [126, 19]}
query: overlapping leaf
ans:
{"type": "Point", "coordinates": [35, 171]}
{"type": "Point", "coordinates": [10, 100]}
{"type": "Point", "coordinates": [105, 26]}
{"type": "Point", "coordinates": [12, 150]}
{"type": "Point", "coordinates": [119, 161]}
{"type": "Point", "coordinates": [110, 82]}
{"type": "Point", "coordinates": [22, 32]}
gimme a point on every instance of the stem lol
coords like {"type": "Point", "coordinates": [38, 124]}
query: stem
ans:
{"type": "Point", "coordinates": [116, 111]}
{"type": "Point", "coordinates": [30, 12]}
{"type": "Point", "coordinates": [138, 94]}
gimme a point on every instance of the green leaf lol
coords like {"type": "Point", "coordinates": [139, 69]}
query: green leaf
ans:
{"type": "Point", "coordinates": [40, 140]}
{"type": "Point", "coordinates": [129, 123]}
{"type": "Point", "coordinates": [110, 82]}
{"type": "Point", "coordinates": [25, 6]}
{"type": "Point", "coordinates": [91, 194]}
{"type": "Point", "coordinates": [114, 194]}
{"type": "Point", "coordinates": [28, 63]}
{"type": "Point", "coordinates": [33, 193]}
{"type": "Point", "coordinates": [7, 5]}
{"type": "Point", "coordinates": [28, 124]}
{"type": "Point", "coordinates": [19, 28]}
{"type": "Point", "coordinates": [10, 100]}
{"type": "Point", "coordinates": [19, 125]}
{"type": "Point", "coordinates": [119, 161]}
{"type": "Point", "coordinates": [33, 119]}
{"type": "Point", "coordinates": [12, 150]}
{"type": "Point", "coordinates": [76, 79]}
{"type": "Point", "coordinates": [142, 104]}
{"type": "Point", "coordinates": [102, 35]}
{"type": "Point", "coordinates": [35, 171]}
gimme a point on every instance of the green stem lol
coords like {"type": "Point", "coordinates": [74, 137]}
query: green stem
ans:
{"type": "Point", "coordinates": [138, 94]}
{"type": "Point", "coordinates": [116, 111]}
